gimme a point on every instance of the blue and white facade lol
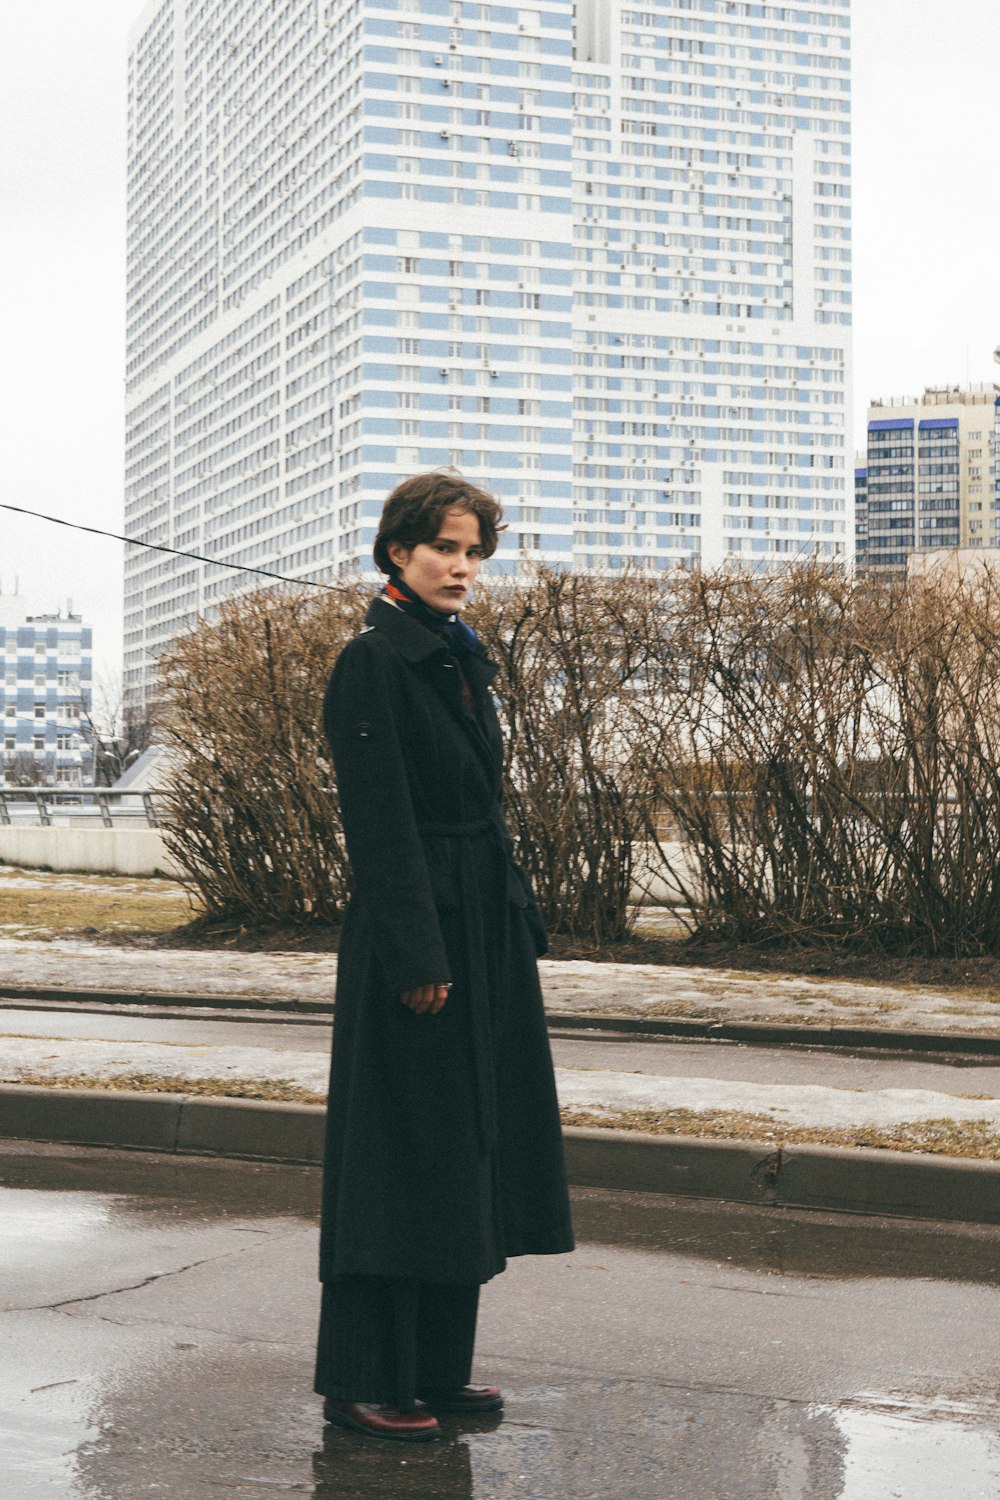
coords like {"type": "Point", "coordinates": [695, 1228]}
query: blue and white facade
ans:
{"type": "Point", "coordinates": [595, 255]}
{"type": "Point", "coordinates": [46, 662]}
{"type": "Point", "coordinates": [931, 476]}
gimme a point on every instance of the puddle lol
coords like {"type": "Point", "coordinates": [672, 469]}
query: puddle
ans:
{"type": "Point", "coordinates": [34, 1220]}
{"type": "Point", "coordinates": [933, 1450]}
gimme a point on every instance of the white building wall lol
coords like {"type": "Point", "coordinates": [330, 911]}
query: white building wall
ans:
{"type": "Point", "coordinates": [366, 239]}
{"type": "Point", "coordinates": [712, 289]}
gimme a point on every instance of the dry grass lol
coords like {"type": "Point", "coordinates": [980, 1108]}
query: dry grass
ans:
{"type": "Point", "coordinates": [976, 1139]}
{"type": "Point", "coordinates": [971, 1139]}
{"type": "Point", "coordinates": [45, 905]}
{"type": "Point", "coordinates": [278, 1090]}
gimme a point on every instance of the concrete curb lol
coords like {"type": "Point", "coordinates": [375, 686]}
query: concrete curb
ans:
{"type": "Point", "coordinates": [182, 1123]}
{"type": "Point", "coordinates": [57, 995]}
{"type": "Point", "coordinates": [757, 1033]}
{"type": "Point", "coordinates": [841, 1179]}
{"type": "Point", "coordinates": [781, 1034]}
{"type": "Point", "coordinates": [821, 1177]}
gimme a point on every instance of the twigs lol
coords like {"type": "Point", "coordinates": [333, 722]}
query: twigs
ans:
{"type": "Point", "coordinates": [578, 794]}
{"type": "Point", "coordinates": [836, 750]}
{"type": "Point", "coordinates": [252, 813]}
{"type": "Point", "coordinates": [797, 756]}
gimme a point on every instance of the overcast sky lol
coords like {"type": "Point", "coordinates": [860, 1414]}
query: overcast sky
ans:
{"type": "Point", "coordinates": [926, 228]}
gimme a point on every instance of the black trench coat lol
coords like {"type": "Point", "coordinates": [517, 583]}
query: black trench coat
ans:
{"type": "Point", "coordinates": [443, 1149]}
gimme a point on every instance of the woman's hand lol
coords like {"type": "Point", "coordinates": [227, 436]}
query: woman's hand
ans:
{"type": "Point", "coordinates": [428, 999]}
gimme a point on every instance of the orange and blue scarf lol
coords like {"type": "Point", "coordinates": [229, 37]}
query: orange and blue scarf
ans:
{"type": "Point", "coordinates": [451, 629]}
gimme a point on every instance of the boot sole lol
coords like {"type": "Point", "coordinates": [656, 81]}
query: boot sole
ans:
{"type": "Point", "coordinates": [341, 1419]}
{"type": "Point", "coordinates": [463, 1408]}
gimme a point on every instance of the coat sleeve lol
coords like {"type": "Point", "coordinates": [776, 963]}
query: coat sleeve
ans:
{"type": "Point", "coordinates": [390, 871]}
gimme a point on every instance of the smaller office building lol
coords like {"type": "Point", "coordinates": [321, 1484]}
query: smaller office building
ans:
{"type": "Point", "coordinates": [930, 477]}
{"type": "Point", "coordinates": [46, 667]}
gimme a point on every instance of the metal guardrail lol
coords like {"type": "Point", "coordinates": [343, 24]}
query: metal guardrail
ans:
{"type": "Point", "coordinates": [46, 807]}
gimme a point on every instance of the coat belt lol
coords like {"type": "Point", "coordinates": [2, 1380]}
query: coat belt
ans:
{"type": "Point", "coordinates": [480, 1010]}
{"type": "Point", "coordinates": [457, 830]}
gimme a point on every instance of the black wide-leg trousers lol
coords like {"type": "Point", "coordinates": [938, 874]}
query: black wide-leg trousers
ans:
{"type": "Point", "coordinates": [387, 1341]}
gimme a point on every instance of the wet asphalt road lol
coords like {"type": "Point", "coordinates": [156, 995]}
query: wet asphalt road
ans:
{"type": "Point", "coordinates": [664, 1058]}
{"type": "Point", "coordinates": [157, 1319]}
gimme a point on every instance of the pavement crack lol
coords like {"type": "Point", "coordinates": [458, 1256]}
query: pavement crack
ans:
{"type": "Point", "coordinates": [137, 1286]}
{"type": "Point", "coordinates": [115, 1291]}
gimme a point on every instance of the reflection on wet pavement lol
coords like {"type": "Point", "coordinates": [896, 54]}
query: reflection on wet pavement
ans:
{"type": "Point", "coordinates": [664, 1450]}
{"type": "Point", "coordinates": [933, 1449]}
{"type": "Point", "coordinates": [790, 1243]}
{"type": "Point", "coordinates": [32, 1218]}
{"type": "Point", "coordinates": [158, 1319]}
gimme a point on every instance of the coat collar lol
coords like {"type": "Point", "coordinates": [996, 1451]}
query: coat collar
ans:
{"type": "Point", "coordinates": [413, 640]}
{"type": "Point", "coordinates": [410, 638]}
{"type": "Point", "coordinates": [415, 643]}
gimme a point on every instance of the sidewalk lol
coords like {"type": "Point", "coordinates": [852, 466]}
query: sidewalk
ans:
{"type": "Point", "coordinates": [635, 990]}
{"type": "Point", "coordinates": [753, 1123]}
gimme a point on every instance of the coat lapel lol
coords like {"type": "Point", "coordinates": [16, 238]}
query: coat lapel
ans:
{"type": "Point", "coordinates": [447, 676]}
{"type": "Point", "coordinates": [418, 644]}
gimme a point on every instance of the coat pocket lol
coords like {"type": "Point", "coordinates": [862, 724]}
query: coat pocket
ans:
{"type": "Point", "coordinates": [517, 886]}
{"type": "Point", "coordinates": [520, 894]}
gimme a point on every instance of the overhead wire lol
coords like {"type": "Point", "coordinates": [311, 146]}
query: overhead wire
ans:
{"type": "Point", "coordinates": [132, 541]}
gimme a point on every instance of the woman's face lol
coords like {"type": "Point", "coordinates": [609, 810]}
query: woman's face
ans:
{"type": "Point", "coordinates": [441, 573]}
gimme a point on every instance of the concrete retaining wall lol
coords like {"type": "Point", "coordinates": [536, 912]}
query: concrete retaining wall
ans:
{"type": "Point", "coordinates": [141, 851]}
{"type": "Point", "coordinates": [100, 851]}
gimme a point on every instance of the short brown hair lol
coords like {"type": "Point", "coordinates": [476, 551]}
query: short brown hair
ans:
{"type": "Point", "coordinates": [414, 511]}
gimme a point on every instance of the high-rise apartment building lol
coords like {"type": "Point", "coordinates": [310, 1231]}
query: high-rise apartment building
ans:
{"type": "Point", "coordinates": [46, 662]}
{"type": "Point", "coordinates": [861, 509]}
{"type": "Point", "coordinates": [596, 255]}
{"type": "Point", "coordinates": [930, 479]}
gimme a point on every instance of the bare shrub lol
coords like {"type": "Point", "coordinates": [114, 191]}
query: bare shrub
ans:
{"type": "Point", "coordinates": [810, 756]}
{"type": "Point", "coordinates": [829, 755]}
{"type": "Point", "coordinates": [253, 818]}
{"type": "Point", "coordinates": [572, 652]}
{"type": "Point", "coordinates": [252, 814]}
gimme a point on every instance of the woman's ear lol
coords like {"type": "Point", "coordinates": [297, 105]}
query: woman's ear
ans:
{"type": "Point", "coordinates": [399, 555]}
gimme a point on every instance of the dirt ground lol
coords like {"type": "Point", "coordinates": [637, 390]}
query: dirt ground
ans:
{"type": "Point", "coordinates": [980, 974]}
{"type": "Point", "coordinates": [158, 913]}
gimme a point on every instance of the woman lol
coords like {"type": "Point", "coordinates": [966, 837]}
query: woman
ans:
{"type": "Point", "coordinates": [444, 1152]}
